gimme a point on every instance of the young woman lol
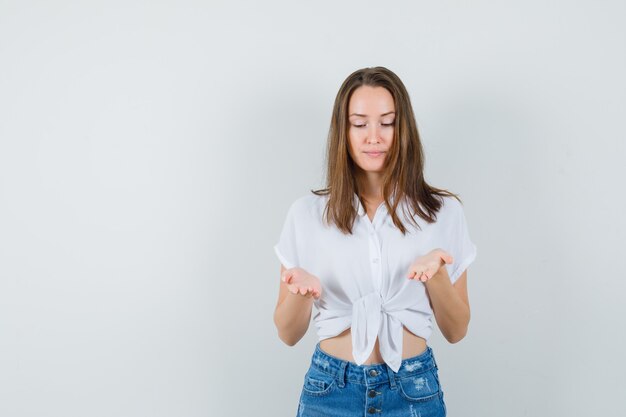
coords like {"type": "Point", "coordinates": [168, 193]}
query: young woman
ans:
{"type": "Point", "coordinates": [378, 252]}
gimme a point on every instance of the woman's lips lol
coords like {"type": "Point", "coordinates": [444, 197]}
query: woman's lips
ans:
{"type": "Point", "coordinates": [374, 154]}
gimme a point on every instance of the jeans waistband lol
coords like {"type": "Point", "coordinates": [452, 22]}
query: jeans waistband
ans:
{"type": "Point", "coordinates": [371, 374]}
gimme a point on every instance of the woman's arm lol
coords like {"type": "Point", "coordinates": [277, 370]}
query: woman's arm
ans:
{"type": "Point", "coordinates": [450, 304]}
{"type": "Point", "coordinates": [292, 314]}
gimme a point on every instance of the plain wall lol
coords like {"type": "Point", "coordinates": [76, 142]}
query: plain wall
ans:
{"type": "Point", "coordinates": [149, 152]}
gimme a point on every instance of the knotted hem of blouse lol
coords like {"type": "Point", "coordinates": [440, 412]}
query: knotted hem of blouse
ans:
{"type": "Point", "coordinates": [372, 317]}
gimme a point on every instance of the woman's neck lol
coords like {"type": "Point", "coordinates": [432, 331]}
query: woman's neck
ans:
{"type": "Point", "coordinates": [370, 186]}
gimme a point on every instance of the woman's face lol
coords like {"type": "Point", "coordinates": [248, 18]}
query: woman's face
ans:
{"type": "Point", "coordinates": [371, 114]}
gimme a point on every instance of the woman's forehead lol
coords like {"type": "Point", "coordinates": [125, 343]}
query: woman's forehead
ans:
{"type": "Point", "coordinates": [371, 101]}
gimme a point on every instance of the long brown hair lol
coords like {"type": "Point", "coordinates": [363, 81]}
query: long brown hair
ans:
{"type": "Point", "coordinates": [403, 172]}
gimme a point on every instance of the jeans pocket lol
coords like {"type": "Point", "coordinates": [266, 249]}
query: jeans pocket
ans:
{"type": "Point", "coordinates": [318, 383]}
{"type": "Point", "coordinates": [420, 387]}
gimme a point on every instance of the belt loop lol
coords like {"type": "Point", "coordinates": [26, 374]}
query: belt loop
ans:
{"type": "Point", "coordinates": [392, 379]}
{"type": "Point", "coordinates": [341, 375]}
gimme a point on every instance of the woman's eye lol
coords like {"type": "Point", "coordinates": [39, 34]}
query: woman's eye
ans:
{"type": "Point", "coordinates": [384, 124]}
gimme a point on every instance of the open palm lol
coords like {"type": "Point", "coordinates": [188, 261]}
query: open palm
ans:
{"type": "Point", "coordinates": [301, 282]}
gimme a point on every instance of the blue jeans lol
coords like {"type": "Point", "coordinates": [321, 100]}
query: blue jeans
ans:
{"type": "Point", "coordinates": [337, 388]}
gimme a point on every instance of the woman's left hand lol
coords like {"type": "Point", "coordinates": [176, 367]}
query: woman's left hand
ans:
{"type": "Point", "coordinates": [426, 266]}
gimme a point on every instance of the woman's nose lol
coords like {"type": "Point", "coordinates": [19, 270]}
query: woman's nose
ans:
{"type": "Point", "coordinates": [373, 134]}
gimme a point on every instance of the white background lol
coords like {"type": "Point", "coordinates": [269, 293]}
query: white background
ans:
{"type": "Point", "coordinates": [149, 152]}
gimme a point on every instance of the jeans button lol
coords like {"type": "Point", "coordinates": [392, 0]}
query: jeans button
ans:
{"type": "Point", "coordinates": [371, 393]}
{"type": "Point", "coordinates": [373, 372]}
{"type": "Point", "coordinates": [371, 410]}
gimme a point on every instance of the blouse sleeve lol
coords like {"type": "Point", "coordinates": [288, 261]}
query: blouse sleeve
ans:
{"type": "Point", "coordinates": [460, 245]}
{"type": "Point", "coordinates": [286, 247]}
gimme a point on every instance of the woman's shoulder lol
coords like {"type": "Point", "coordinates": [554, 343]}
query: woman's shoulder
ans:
{"type": "Point", "coordinates": [451, 210]}
{"type": "Point", "coordinates": [308, 203]}
{"type": "Point", "coordinates": [450, 203]}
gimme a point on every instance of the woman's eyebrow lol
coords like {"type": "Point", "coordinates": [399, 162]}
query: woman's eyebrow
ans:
{"type": "Point", "coordinates": [365, 115]}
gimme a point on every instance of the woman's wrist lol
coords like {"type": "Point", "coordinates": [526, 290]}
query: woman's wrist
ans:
{"type": "Point", "coordinates": [441, 275]}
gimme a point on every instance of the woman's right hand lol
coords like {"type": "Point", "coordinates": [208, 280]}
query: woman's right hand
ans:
{"type": "Point", "coordinates": [301, 282]}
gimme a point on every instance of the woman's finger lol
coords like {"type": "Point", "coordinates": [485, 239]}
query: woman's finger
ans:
{"type": "Point", "coordinates": [416, 274]}
{"type": "Point", "coordinates": [426, 275]}
{"type": "Point", "coordinates": [429, 274]}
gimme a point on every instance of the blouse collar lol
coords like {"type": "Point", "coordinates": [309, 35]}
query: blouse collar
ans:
{"type": "Point", "coordinates": [361, 210]}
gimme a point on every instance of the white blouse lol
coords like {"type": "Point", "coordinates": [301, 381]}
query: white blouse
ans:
{"type": "Point", "coordinates": [364, 275]}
